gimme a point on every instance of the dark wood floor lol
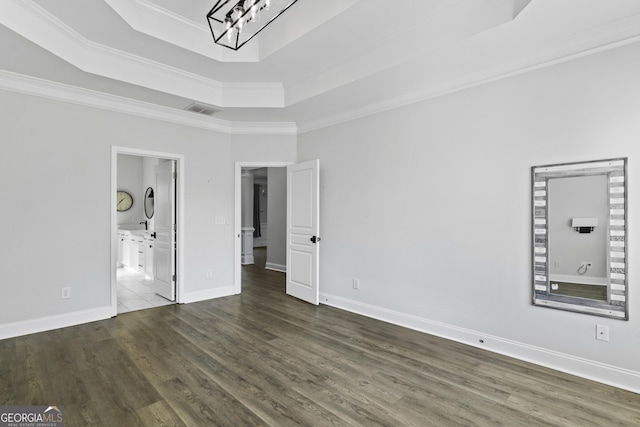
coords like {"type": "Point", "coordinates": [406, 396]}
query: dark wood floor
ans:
{"type": "Point", "coordinates": [263, 358]}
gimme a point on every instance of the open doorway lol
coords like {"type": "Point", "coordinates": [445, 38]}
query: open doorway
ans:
{"type": "Point", "coordinates": [263, 217]}
{"type": "Point", "coordinates": [302, 237]}
{"type": "Point", "coordinates": [146, 229]}
{"type": "Point", "coordinates": [260, 217]}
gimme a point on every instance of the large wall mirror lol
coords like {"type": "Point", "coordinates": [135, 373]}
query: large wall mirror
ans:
{"type": "Point", "coordinates": [580, 237]}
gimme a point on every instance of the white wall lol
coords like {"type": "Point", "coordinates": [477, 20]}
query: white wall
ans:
{"type": "Point", "coordinates": [429, 206]}
{"type": "Point", "coordinates": [277, 220]}
{"type": "Point", "coordinates": [55, 166]}
{"type": "Point", "coordinates": [578, 197]}
{"type": "Point", "coordinates": [130, 179]}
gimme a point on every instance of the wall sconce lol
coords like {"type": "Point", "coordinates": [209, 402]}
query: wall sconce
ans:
{"type": "Point", "coordinates": [584, 225]}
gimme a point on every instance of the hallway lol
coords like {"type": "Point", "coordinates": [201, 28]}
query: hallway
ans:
{"type": "Point", "coordinates": [260, 282]}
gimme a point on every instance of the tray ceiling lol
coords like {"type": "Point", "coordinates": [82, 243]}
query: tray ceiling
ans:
{"type": "Point", "coordinates": [319, 63]}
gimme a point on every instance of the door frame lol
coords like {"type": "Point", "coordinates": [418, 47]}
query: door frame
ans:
{"type": "Point", "coordinates": [237, 259]}
{"type": "Point", "coordinates": [180, 170]}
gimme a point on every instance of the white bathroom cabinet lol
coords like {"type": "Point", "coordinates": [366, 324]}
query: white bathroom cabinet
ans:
{"type": "Point", "coordinates": [148, 255]}
{"type": "Point", "coordinates": [123, 249]}
{"type": "Point", "coordinates": [135, 251]}
{"type": "Point", "coordinates": [136, 254]}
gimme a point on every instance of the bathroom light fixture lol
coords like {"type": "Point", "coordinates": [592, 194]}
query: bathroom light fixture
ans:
{"type": "Point", "coordinates": [584, 225]}
{"type": "Point", "coordinates": [233, 23]}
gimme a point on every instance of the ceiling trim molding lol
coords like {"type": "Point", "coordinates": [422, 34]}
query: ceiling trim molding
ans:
{"type": "Point", "coordinates": [263, 128]}
{"type": "Point", "coordinates": [42, 28]}
{"type": "Point", "coordinates": [593, 40]}
{"type": "Point", "coordinates": [150, 6]}
{"type": "Point", "coordinates": [66, 93]}
{"type": "Point", "coordinates": [353, 66]}
{"type": "Point", "coordinates": [466, 82]}
{"type": "Point", "coordinates": [163, 24]}
{"type": "Point", "coordinates": [323, 79]}
{"type": "Point", "coordinates": [242, 94]}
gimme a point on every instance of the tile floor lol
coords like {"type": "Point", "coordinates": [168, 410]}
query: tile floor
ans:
{"type": "Point", "coordinates": [135, 292]}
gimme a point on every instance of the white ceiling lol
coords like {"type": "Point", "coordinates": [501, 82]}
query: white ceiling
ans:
{"type": "Point", "coordinates": [322, 62]}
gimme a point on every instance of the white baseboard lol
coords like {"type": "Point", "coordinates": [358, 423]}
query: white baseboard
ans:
{"type": "Point", "coordinates": [276, 267]}
{"type": "Point", "coordinates": [589, 369]}
{"type": "Point", "coordinates": [247, 259]}
{"type": "Point", "coordinates": [42, 324]}
{"type": "Point", "coordinates": [190, 297]}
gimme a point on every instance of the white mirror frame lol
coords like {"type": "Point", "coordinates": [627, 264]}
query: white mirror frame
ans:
{"type": "Point", "coordinates": [617, 289]}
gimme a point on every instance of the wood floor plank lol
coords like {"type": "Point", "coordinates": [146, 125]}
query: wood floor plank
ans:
{"type": "Point", "coordinates": [268, 385]}
{"type": "Point", "coordinates": [375, 357]}
{"type": "Point", "coordinates": [264, 359]}
{"type": "Point", "coordinates": [304, 372]}
{"type": "Point", "coordinates": [159, 414]}
{"type": "Point", "coordinates": [206, 403]}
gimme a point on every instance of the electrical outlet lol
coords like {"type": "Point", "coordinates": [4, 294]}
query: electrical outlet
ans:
{"type": "Point", "coordinates": [209, 273]}
{"type": "Point", "coordinates": [602, 333]}
{"type": "Point", "coordinates": [65, 292]}
{"type": "Point", "coordinates": [356, 283]}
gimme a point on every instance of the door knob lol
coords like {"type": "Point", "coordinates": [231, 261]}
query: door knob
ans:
{"type": "Point", "coordinates": [153, 234]}
{"type": "Point", "coordinates": [314, 239]}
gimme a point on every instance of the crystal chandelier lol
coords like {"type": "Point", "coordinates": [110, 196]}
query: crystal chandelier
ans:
{"type": "Point", "coordinates": [235, 23]}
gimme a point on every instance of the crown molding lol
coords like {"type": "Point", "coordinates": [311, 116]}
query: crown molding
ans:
{"type": "Point", "coordinates": [263, 128]}
{"type": "Point", "coordinates": [614, 35]}
{"type": "Point", "coordinates": [66, 93]}
{"type": "Point", "coordinates": [353, 66]}
{"type": "Point", "coordinates": [146, 16]}
{"type": "Point", "coordinates": [149, 18]}
{"type": "Point", "coordinates": [42, 28]}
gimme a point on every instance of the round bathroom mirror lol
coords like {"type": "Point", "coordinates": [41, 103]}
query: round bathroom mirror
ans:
{"type": "Point", "coordinates": [148, 202]}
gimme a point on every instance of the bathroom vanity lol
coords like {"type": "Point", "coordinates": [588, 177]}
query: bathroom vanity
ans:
{"type": "Point", "coordinates": [135, 250]}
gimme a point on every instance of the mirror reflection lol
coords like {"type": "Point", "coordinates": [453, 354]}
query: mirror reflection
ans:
{"type": "Point", "coordinates": [577, 211]}
{"type": "Point", "coordinates": [579, 235]}
{"type": "Point", "coordinates": [149, 203]}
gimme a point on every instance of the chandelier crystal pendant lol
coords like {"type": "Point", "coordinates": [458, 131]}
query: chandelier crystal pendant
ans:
{"type": "Point", "coordinates": [233, 23]}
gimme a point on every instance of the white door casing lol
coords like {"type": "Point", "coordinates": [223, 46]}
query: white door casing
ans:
{"type": "Point", "coordinates": [303, 212]}
{"type": "Point", "coordinates": [179, 210]}
{"type": "Point", "coordinates": [164, 261]}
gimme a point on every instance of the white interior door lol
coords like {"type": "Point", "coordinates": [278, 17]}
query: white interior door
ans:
{"type": "Point", "coordinates": [164, 260]}
{"type": "Point", "coordinates": [303, 211]}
